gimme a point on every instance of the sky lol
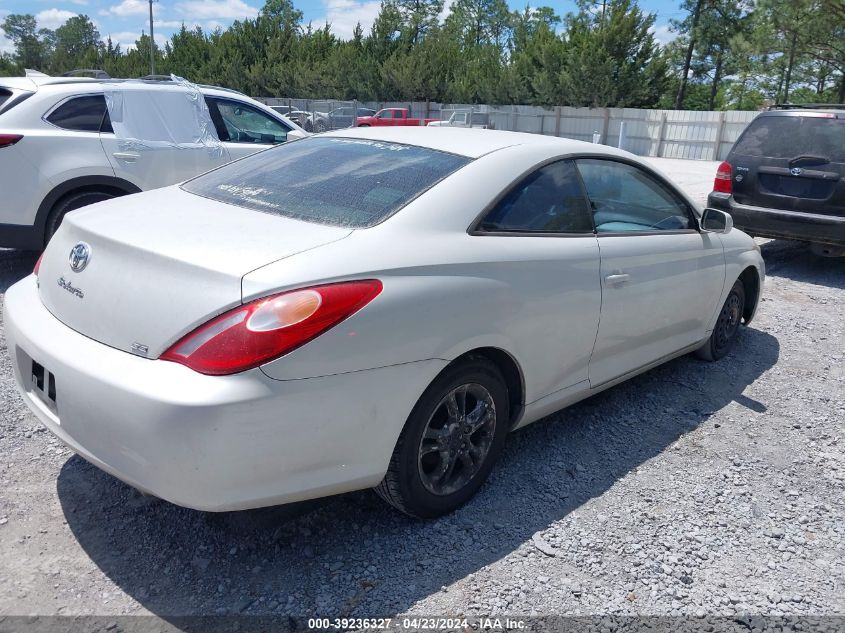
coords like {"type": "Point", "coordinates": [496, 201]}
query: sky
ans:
{"type": "Point", "coordinates": [124, 20]}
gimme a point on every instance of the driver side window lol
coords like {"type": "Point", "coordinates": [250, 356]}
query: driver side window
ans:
{"type": "Point", "coordinates": [627, 199]}
{"type": "Point", "coordinates": [242, 123]}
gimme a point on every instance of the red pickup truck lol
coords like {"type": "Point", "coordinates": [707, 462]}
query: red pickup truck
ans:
{"type": "Point", "coordinates": [390, 116]}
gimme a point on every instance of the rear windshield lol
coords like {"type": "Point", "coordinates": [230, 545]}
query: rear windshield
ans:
{"type": "Point", "coordinates": [4, 96]}
{"type": "Point", "coordinates": [338, 181]}
{"type": "Point", "coordinates": [793, 136]}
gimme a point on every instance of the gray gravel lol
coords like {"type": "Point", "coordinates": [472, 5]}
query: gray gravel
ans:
{"type": "Point", "coordinates": [694, 489]}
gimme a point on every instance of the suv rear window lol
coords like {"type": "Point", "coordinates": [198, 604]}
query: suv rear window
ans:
{"type": "Point", "coordinates": [793, 136]}
{"type": "Point", "coordinates": [337, 181]}
{"type": "Point", "coordinates": [4, 96]}
{"type": "Point", "coordinates": [82, 114]}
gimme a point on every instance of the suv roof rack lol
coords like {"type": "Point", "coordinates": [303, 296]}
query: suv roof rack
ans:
{"type": "Point", "coordinates": [87, 72]}
{"type": "Point", "coordinates": [156, 78]}
{"type": "Point", "coordinates": [807, 106]}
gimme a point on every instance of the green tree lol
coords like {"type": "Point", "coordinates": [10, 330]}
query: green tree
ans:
{"type": "Point", "coordinates": [480, 22]}
{"type": "Point", "coordinates": [612, 60]}
{"type": "Point", "coordinates": [419, 17]}
{"type": "Point", "coordinates": [77, 45]}
{"type": "Point", "coordinates": [32, 47]}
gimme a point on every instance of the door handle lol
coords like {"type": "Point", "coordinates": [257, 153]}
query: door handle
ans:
{"type": "Point", "coordinates": [619, 278]}
{"type": "Point", "coordinates": [129, 157]}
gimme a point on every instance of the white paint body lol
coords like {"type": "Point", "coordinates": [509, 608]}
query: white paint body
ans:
{"type": "Point", "coordinates": [325, 418]}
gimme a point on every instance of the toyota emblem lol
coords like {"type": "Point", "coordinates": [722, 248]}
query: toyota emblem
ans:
{"type": "Point", "coordinates": [795, 171]}
{"type": "Point", "coordinates": [80, 255]}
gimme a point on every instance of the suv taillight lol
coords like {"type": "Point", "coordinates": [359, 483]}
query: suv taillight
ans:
{"type": "Point", "coordinates": [723, 183]}
{"type": "Point", "coordinates": [263, 330]}
{"type": "Point", "coordinates": [6, 140]}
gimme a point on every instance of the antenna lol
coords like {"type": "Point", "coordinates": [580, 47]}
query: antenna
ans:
{"type": "Point", "coordinates": [152, 42]}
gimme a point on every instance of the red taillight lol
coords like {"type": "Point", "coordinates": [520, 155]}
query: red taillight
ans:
{"type": "Point", "coordinates": [260, 331]}
{"type": "Point", "coordinates": [723, 183]}
{"type": "Point", "coordinates": [9, 139]}
{"type": "Point", "coordinates": [37, 265]}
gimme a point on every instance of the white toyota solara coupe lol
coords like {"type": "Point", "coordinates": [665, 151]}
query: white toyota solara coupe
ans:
{"type": "Point", "coordinates": [375, 307]}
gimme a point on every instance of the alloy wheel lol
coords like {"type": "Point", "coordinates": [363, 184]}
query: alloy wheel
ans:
{"type": "Point", "coordinates": [457, 439]}
{"type": "Point", "coordinates": [728, 322]}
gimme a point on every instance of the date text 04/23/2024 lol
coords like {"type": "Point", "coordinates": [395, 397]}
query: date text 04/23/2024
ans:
{"type": "Point", "coordinates": [416, 624]}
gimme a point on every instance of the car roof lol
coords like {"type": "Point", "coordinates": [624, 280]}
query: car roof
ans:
{"type": "Point", "coordinates": [471, 142]}
{"type": "Point", "coordinates": [34, 82]}
{"type": "Point", "coordinates": [806, 111]}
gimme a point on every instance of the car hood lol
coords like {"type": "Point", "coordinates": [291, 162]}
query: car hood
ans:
{"type": "Point", "coordinates": [161, 263]}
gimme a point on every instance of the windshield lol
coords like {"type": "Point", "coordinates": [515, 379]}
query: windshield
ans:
{"type": "Point", "coordinates": [338, 181]}
{"type": "Point", "coordinates": [793, 136]}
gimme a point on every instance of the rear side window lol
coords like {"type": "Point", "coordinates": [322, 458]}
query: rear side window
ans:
{"type": "Point", "coordinates": [82, 114]}
{"type": "Point", "coordinates": [4, 96]}
{"type": "Point", "coordinates": [550, 200]}
{"type": "Point", "coordinates": [794, 136]}
{"type": "Point", "coordinates": [337, 181]}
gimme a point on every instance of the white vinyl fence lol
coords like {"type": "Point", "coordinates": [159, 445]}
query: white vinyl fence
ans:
{"type": "Point", "coordinates": [662, 133]}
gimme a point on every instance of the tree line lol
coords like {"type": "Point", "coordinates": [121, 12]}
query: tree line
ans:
{"type": "Point", "coordinates": [724, 54]}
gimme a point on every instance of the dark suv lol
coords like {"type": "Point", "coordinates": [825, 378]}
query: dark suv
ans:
{"type": "Point", "coordinates": [785, 177]}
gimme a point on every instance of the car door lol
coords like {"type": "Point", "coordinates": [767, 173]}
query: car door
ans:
{"type": "Point", "coordinates": [341, 118]}
{"type": "Point", "coordinates": [158, 164]}
{"type": "Point", "coordinates": [75, 133]}
{"type": "Point", "coordinates": [661, 276]}
{"type": "Point", "coordinates": [553, 263]}
{"type": "Point", "coordinates": [244, 129]}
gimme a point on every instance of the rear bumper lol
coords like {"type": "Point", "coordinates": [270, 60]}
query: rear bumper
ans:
{"type": "Point", "coordinates": [779, 223]}
{"type": "Point", "coordinates": [209, 442]}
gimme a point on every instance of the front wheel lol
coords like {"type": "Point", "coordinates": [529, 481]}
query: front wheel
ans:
{"type": "Point", "coordinates": [727, 326]}
{"type": "Point", "coordinates": [450, 442]}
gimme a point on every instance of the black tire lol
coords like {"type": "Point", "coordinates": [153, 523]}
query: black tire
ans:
{"type": "Point", "coordinates": [727, 326]}
{"type": "Point", "coordinates": [408, 486]}
{"type": "Point", "coordinates": [69, 203]}
{"type": "Point", "coordinates": [364, 125]}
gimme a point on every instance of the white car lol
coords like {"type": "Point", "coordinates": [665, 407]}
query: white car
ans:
{"type": "Point", "coordinates": [374, 307]}
{"type": "Point", "coordinates": [463, 118]}
{"type": "Point", "coordinates": [58, 151]}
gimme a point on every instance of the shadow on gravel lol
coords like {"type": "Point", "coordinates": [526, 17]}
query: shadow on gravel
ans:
{"type": "Point", "coordinates": [351, 555]}
{"type": "Point", "coordinates": [794, 260]}
{"type": "Point", "coordinates": [14, 266]}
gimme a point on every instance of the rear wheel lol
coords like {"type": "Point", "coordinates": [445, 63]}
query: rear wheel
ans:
{"type": "Point", "coordinates": [450, 442]}
{"type": "Point", "coordinates": [69, 203]}
{"type": "Point", "coordinates": [827, 250]}
{"type": "Point", "coordinates": [727, 325]}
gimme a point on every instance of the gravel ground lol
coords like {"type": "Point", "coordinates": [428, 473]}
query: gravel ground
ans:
{"type": "Point", "coordinates": [694, 176]}
{"type": "Point", "coordinates": [696, 488]}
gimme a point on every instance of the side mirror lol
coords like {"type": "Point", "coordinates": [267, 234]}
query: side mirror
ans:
{"type": "Point", "coordinates": [716, 221]}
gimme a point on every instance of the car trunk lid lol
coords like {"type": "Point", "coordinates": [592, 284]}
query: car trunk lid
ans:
{"type": "Point", "coordinates": [161, 263]}
{"type": "Point", "coordinates": [794, 162]}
